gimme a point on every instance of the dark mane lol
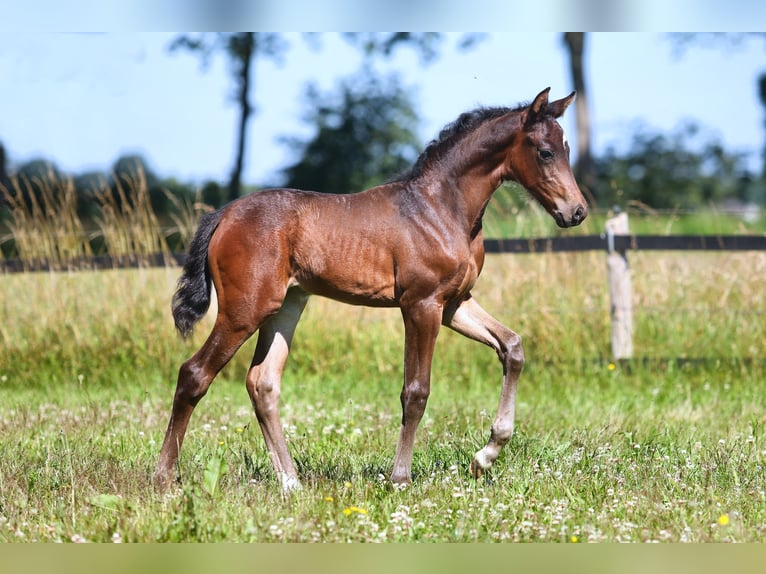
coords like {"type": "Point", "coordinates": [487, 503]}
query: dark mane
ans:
{"type": "Point", "coordinates": [452, 133]}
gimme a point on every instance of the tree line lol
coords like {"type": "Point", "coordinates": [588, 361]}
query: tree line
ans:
{"type": "Point", "coordinates": [365, 132]}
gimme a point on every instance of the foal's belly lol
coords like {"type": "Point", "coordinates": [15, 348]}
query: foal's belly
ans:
{"type": "Point", "coordinates": [360, 282]}
{"type": "Point", "coordinates": [354, 294]}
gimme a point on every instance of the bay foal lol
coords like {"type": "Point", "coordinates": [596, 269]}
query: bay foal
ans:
{"type": "Point", "coordinates": [415, 243]}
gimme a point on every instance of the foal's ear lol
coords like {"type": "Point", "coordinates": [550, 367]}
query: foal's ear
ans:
{"type": "Point", "coordinates": [558, 107]}
{"type": "Point", "coordinates": [537, 107]}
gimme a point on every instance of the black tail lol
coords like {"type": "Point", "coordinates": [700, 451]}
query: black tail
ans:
{"type": "Point", "coordinates": [192, 297]}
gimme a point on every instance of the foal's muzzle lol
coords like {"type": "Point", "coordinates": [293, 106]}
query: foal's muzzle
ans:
{"type": "Point", "coordinates": [574, 217]}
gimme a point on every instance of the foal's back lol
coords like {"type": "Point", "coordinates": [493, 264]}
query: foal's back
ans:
{"type": "Point", "coordinates": [341, 246]}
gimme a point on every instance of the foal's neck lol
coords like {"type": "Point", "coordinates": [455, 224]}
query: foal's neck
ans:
{"type": "Point", "coordinates": [481, 165]}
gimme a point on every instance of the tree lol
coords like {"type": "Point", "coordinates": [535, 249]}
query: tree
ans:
{"type": "Point", "coordinates": [242, 49]}
{"type": "Point", "coordinates": [584, 168]}
{"type": "Point", "coordinates": [425, 44]}
{"type": "Point", "coordinates": [762, 96]}
{"type": "Point", "coordinates": [662, 171]}
{"type": "Point", "coordinates": [88, 186]}
{"type": "Point", "coordinates": [36, 182]}
{"type": "Point", "coordinates": [4, 181]}
{"type": "Point", "coordinates": [365, 134]}
{"type": "Point", "coordinates": [129, 167]}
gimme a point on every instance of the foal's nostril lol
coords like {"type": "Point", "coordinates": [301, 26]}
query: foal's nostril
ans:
{"type": "Point", "coordinates": [579, 214]}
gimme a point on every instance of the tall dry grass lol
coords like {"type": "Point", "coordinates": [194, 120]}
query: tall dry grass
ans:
{"type": "Point", "coordinates": [45, 225]}
{"type": "Point", "coordinates": [708, 305]}
{"type": "Point", "coordinates": [48, 232]}
{"type": "Point", "coordinates": [685, 305]}
{"type": "Point", "coordinates": [128, 224]}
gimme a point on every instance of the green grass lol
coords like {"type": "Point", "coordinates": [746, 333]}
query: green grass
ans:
{"type": "Point", "coordinates": [638, 451]}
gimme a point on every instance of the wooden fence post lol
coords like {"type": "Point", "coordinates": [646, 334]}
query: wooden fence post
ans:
{"type": "Point", "coordinates": [619, 289]}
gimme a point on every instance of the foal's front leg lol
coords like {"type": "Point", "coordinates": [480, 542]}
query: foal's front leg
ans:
{"type": "Point", "coordinates": [421, 327]}
{"type": "Point", "coordinates": [471, 320]}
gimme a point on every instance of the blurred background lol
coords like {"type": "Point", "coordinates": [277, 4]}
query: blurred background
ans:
{"type": "Point", "coordinates": [666, 125]}
{"type": "Point", "coordinates": [114, 144]}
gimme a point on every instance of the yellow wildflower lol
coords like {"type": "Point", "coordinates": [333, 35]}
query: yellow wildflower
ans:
{"type": "Point", "coordinates": [351, 509]}
{"type": "Point", "coordinates": [611, 366]}
{"type": "Point", "coordinates": [328, 498]}
{"type": "Point", "coordinates": [574, 539]}
{"type": "Point", "coordinates": [723, 520]}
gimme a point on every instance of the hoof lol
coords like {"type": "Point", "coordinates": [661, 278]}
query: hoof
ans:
{"type": "Point", "coordinates": [479, 464]}
{"type": "Point", "coordinates": [401, 481]}
{"type": "Point", "coordinates": [475, 469]}
{"type": "Point", "coordinates": [163, 481]}
{"type": "Point", "coordinates": [289, 482]}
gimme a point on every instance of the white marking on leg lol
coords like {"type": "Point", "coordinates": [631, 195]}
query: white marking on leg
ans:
{"type": "Point", "coordinates": [482, 459]}
{"type": "Point", "coordinates": [289, 482]}
{"type": "Point", "coordinates": [472, 321]}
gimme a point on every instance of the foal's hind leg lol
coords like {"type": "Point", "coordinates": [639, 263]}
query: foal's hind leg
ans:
{"type": "Point", "coordinates": [241, 312]}
{"type": "Point", "coordinates": [264, 382]}
{"type": "Point", "coordinates": [471, 320]}
{"type": "Point", "coordinates": [194, 379]}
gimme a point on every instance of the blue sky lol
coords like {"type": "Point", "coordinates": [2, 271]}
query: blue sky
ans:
{"type": "Point", "coordinates": [82, 100]}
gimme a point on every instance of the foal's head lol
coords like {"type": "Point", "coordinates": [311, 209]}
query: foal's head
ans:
{"type": "Point", "coordinates": [539, 160]}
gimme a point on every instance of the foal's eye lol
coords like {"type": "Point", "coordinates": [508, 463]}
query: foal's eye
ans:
{"type": "Point", "coordinates": [545, 154]}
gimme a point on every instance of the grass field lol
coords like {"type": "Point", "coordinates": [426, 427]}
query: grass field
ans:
{"type": "Point", "coordinates": [655, 450]}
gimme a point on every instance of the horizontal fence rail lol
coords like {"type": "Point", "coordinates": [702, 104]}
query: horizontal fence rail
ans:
{"type": "Point", "coordinates": [603, 242]}
{"type": "Point", "coordinates": [628, 242]}
{"type": "Point", "coordinates": [94, 263]}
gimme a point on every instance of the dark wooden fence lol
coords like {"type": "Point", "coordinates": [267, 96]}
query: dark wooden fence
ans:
{"type": "Point", "coordinates": [601, 242]}
{"type": "Point", "coordinates": [629, 242]}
